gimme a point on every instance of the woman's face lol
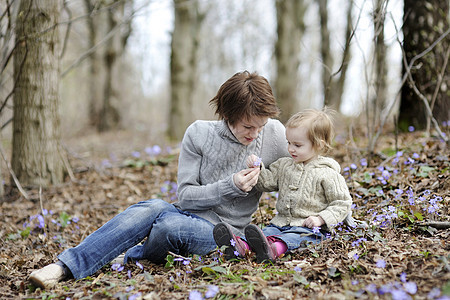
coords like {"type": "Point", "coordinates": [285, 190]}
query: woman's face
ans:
{"type": "Point", "coordinates": [246, 131]}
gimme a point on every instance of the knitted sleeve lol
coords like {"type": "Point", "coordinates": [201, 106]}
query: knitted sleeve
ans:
{"type": "Point", "coordinates": [268, 180]}
{"type": "Point", "coordinates": [192, 195]}
{"type": "Point", "coordinates": [338, 198]}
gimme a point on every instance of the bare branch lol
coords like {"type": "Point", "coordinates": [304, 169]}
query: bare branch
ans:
{"type": "Point", "coordinates": [405, 78]}
{"type": "Point", "coordinates": [103, 41]}
{"type": "Point", "coordinates": [13, 175]}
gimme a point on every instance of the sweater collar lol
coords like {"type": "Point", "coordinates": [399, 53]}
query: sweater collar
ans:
{"type": "Point", "coordinates": [225, 131]}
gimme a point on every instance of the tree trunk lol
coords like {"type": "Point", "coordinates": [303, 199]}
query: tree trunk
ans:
{"type": "Point", "coordinates": [425, 22]}
{"type": "Point", "coordinates": [36, 159]}
{"type": "Point", "coordinates": [95, 82]}
{"type": "Point", "coordinates": [333, 81]}
{"type": "Point", "coordinates": [110, 111]}
{"type": "Point", "coordinates": [290, 29]}
{"type": "Point", "coordinates": [183, 65]}
{"type": "Point", "coordinates": [380, 77]}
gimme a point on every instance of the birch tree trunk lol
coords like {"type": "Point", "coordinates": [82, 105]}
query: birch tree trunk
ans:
{"type": "Point", "coordinates": [183, 65]}
{"type": "Point", "coordinates": [36, 159]}
{"type": "Point", "coordinates": [290, 29]}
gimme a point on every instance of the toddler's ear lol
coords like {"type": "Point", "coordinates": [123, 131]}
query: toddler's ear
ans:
{"type": "Point", "coordinates": [321, 145]}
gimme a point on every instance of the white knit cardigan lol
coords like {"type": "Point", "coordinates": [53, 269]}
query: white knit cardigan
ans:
{"type": "Point", "coordinates": [314, 189]}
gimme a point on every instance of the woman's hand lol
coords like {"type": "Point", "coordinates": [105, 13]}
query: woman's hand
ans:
{"type": "Point", "coordinates": [313, 221]}
{"type": "Point", "coordinates": [246, 179]}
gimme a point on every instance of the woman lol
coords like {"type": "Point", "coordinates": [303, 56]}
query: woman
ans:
{"type": "Point", "coordinates": [214, 185]}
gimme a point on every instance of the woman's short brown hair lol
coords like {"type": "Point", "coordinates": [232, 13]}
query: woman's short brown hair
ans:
{"type": "Point", "coordinates": [245, 95]}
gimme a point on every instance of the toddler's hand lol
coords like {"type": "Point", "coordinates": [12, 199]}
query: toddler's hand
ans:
{"type": "Point", "coordinates": [253, 161]}
{"type": "Point", "coordinates": [313, 221]}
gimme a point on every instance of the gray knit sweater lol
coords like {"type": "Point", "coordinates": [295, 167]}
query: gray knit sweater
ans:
{"type": "Point", "coordinates": [210, 155]}
{"type": "Point", "coordinates": [314, 189]}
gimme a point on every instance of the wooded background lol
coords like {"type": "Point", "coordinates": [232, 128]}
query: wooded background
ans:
{"type": "Point", "coordinates": [71, 67]}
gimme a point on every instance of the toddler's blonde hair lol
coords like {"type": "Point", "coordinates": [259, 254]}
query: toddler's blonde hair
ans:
{"type": "Point", "coordinates": [319, 124]}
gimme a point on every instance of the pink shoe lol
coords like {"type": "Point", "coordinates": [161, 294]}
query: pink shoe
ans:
{"type": "Point", "coordinates": [223, 235]}
{"type": "Point", "coordinates": [265, 249]}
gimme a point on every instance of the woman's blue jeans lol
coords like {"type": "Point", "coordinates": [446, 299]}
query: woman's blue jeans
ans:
{"type": "Point", "coordinates": [166, 228]}
{"type": "Point", "coordinates": [293, 236]}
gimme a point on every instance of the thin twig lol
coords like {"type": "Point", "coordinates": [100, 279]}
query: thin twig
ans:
{"type": "Point", "coordinates": [16, 181]}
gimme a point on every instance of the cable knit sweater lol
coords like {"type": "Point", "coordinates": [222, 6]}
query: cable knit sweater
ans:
{"type": "Point", "coordinates": [210, 156]}
{"type": "Point", "coordinates": [314, 189]}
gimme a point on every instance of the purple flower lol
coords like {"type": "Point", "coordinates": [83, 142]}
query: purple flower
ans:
{"type": "Point", "coordinates": [106, 163]}
{"type": "Point", "coordinates": [363, 162]}
{"type": "Point", "coordinates": [236, 253]}
{"type": "Point", "coordinates": [410, 287]}
{"type": "Point", "coordinates": [381, 264]}
{"type": "Point", "coordinates": [386, 175]}
{"type": "Point", "coordinates": [297, 269]}
{"type": "Point", "coordinates": [371, 288]}
{"type": "Point", "coordinates": [136, 154]}
{"type": "Point", "coordinates": [257, 162]}
{"type": "Point", "coordinates": [129, 289]}
{"type": "Point", "coordinates": [233, 242]}
{"type": "Point", "coordinates": [403, 277]}
{"type": "Point", "coordinates": [41, 221]}
{"type": "Point", "coordinates": [353, 166]}
{"type": "Point", "coordinates": [186, 262]}
{"type": "Point", "coordinates": [195, 295]}
{"type": "Point", "coordinates": [411, 128]}
{"type": "Point", "coordinates": [135, 296]}
{"type": "Point", "coordinates": [148, 150]}
{"type": "Point", "coordinates": [212, 291]}
{"type": "Point", "coordinates": [356, 256]}
{"type": "Point", "coordinates": [434, 293]}
{"type": "Point", "coordinates": [399, 295]}
{"type": "Point", "coordinates": [316, 229]}
{"type": "Point", "coordinates": [140, 265]}
{"type": "Point", "coordinates": [117, 267]}
{"type": "Point", "coordinates": [156, 150]}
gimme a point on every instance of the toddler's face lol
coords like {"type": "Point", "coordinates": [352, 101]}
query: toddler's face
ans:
{"type": "Point", "coordinates": [299, 145]}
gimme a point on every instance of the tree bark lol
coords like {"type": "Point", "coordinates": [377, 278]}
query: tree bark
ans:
{"type": "Point", "coordinates": [95, 82]}
{"type": "Point", "coordinates": [183, 65]}
{"type": "Point", "coordinates": [290, 29]}
{"type": "Point", "coordinates": [333, 81]}
{"type": "Point", "coordinates": [380, 77]}
{"type": "Point", "coordinates": [110, 112]}
{"type": "Point", "coordinates": [36, 159]}
{"type": "Point", "coordinates": [425, 22]}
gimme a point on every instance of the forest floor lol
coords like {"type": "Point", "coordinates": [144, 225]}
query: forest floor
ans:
{"type": "Point", "coordinates": [402, 193]}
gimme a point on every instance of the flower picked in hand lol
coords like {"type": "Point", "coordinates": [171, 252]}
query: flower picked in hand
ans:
{"type": "Point", "coordinates": [257, 162]}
